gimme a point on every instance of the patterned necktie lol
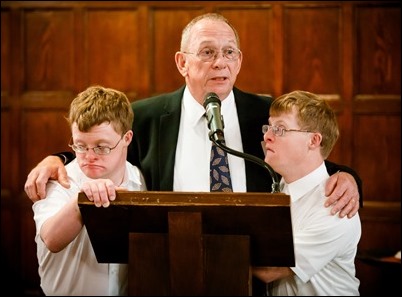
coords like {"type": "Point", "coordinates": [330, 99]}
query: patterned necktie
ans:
{"type": "Point", "coordinates": [219, 171]}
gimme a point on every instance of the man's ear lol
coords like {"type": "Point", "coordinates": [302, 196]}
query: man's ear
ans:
{"type": "Point", "coordinates": [315, 139]}
{"type": "Point", "coordinates": [128, 137]}
{"type": "Point", "coordinates": [180, 59]}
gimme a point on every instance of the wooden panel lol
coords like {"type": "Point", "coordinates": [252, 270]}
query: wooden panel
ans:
{"type": "Point", "coordinates": [381, 227]}
{"type": "Point", "coordinates": [381, 223]}
{"type": "Point", "coordinates": [6, 149]}
{"type": "Point", "coordinates": [377, 155]}
{"type": "Point", "coordinates": [166, 36]}
{"type": "Point", "coordinates": [46, 132]}
{"type": "Point", "coordinates": [113, 49]}
{"type": "Point", "coordinates": [48, 50]}
{"type": "Point", "coordinates": [10, 243]}
{"type": "Point", "coordinates": [348, 51]}
{"type": "Point", "coordinates": [378, 52]}
{"type": "Point", "coordinates": [257, 72]}
{"type": "Point", "coordinates": [312, 48]}
{"type": "Point", "coordinates": [5, 51]}
{"type": "Point", "coordinates": [27, 231]}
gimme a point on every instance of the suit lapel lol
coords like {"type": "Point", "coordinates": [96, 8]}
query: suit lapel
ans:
{"type": "Point", "coordinates": [169, 133]}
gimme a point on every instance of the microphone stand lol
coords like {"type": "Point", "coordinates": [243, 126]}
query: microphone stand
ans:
{"type": "Point", "coordinates": [274, 176]}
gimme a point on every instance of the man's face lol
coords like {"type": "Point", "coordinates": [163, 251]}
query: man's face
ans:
{"type": "Point", "coordinates": [219, 74]}
{"type": "Point", "coordinates": [100, 165]}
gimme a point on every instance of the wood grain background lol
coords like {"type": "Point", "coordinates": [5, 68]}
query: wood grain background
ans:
{"type": "Point", "coordinates": [347, 51]}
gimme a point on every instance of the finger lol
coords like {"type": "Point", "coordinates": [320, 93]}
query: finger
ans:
{"type": "Point", "coordinates": [104, 194]}
{"type": "Point", "coordinates": [87, 190]}
{"type": "Point", "coordinates": [95, 195]}
{"type": "Point", "coordinates": [347, 209]}
{"type": "Point", "coordinates": [354, 210]}
{"type": "Point", "coordinates": [338, 205]}
{"type": "Point", "coordinates": [333, 190]}
{"type": "Point", "coordinates": [111, 189]}
{"type": "Point", "coordinates": [40, 184]}
{"type": "Point", "coordinates": [62, 177]}
{"type": "Point", "coordinates": [30, 190]}
{"type": "Point", "coordinates": [30, 187]}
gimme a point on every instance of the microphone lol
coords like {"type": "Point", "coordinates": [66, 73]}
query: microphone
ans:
{"type": "Point", "coordinates": [212, 106]}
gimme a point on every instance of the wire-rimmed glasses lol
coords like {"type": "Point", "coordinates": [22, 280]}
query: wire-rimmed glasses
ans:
{"type": "Point", "coordinates": [280, 130]}
{"type": "Point", "coordinates": [99, 150]}
{"type": "Point", "coordinates": [210, 54]}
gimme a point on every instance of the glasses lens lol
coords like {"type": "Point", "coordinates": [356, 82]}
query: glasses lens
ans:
{"type": "Point", "coordinates": [102, 150]}
{"type": "Point", "coordinates": [78, 148]}
{"type": "Point", "coordinates": [231, 54]}
{"type": "Point", "coordinates": [209, 54]}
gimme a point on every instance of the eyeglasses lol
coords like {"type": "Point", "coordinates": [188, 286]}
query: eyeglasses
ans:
{"type": "Point", "coordinates": [210, 54]}
{"type": "Point", "coordinates": [280, 131]}
{"type": "Point", "coordinates": [99, 150]}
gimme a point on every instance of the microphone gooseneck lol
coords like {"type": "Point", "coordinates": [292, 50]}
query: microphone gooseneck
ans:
{"type": "Point", "coordinates": [212, 105]}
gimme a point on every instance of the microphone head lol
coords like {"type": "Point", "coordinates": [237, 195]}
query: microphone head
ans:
{"type": "Point", "coordinates": [211, 98]}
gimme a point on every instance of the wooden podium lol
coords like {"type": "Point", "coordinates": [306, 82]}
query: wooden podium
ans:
{"type": "Point", "coordinates": [191, 244]}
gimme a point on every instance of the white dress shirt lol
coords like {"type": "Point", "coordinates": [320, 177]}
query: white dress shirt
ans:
{"type": "Point", "coordinates": [325, 246]}
{"type": "Point", "coordinates": [191, 170]}
{"type": "Point", "coordinates": [74, 271]}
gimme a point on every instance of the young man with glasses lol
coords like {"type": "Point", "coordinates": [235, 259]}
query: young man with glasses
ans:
{"type": "Point", "coordinates": [301, 133]}
{"type": "Point", "coordinates": [101, 121]}
{"type": "Point", "coordinates": [171, 144]}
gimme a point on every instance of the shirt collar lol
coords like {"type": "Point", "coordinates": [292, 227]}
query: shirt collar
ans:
{"type": "Point", "coordinates": [194, 110]}
{"type": "Point", "coordinates": [191, 108]}
{"type": "Point", "coordinates": [300, 187]}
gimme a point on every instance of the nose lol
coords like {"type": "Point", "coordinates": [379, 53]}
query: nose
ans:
{"type": "Point", "coordinates": [90, 154]}
{"type": "Point", "coordinates": [269, 135]}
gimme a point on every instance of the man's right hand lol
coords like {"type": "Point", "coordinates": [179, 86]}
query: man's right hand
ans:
{"type": "Point", "coordinates": [49, 168]}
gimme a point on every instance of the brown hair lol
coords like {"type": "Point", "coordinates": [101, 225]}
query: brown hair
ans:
{"type": "Point", "coordinates": [97, 105]}
{"type": "Point", "coordinates": [313, 114]}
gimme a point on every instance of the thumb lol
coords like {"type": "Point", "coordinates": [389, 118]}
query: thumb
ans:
{"type": "Point", "coordinates": [329, 190]}
{"type": "Point", "coordinates": [63, 179]}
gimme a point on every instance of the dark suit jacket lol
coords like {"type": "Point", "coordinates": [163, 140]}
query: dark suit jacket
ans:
{"type": "Point", "coordinates": [156, 127]}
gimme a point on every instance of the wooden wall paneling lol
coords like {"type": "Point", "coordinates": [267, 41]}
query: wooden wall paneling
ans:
{"type": "Point", "coordinates": [114, 56]}
{"type": "Point", "coordinates": [314, 61]}
{"type": "Point", "coordinates": [381, 227]}
{"type": "Point", "coordinates": [48, 36]}
{"type": "Point", "coordinates": [5, 50]}
{"type": "Point", "coordinates": [347, 51]}
{"type": "Point", "coordinates": [347, 69]}
{"type": "Point", "coordinates": [80, 73]}
{"type": "Point", "coordinates": [313, 48]}
{"type": "Point", "coordinates": [5, 100]}
{"type": "Point", "coordinates": [255, 29]}
{"type": "Point", "coordinates": [377, 145]}
{"type": "Point", "coordinates": [165, 36]}
{"type": "Point", "coordinates": [46, 132]}
{"type": "Point", "coordinates": [278, 49]}
{"type": "Point", "coordinates": [377, 142]}
{"type": "Point", "coordinates": [10, 216]}
{"type": "Point", "coordinates": [47, 71]}
{"type": "Point", "coordinates": [49, 68]}
{"type": "Point", "coordinates": [378, 52]}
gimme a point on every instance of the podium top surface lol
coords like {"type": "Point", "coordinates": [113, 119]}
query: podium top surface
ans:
{"type": "Point", "coordinates": [168, 198]}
